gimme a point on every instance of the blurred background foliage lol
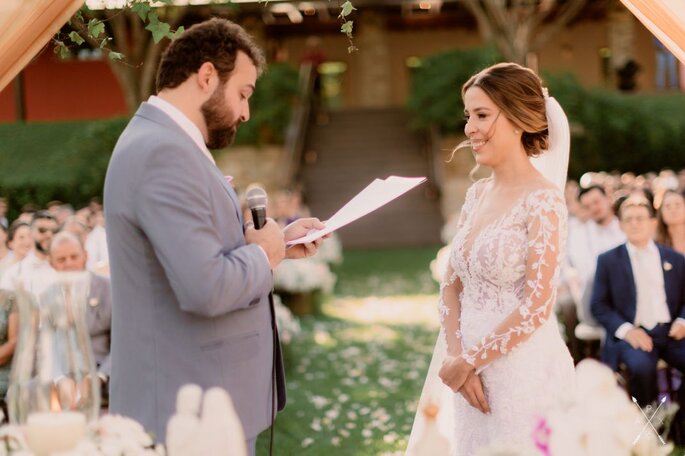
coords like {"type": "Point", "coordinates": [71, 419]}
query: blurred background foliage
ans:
{"type": "Point", "coordinates": [67, 161]}
{"type": "Point", "coordinates": [612, 131]}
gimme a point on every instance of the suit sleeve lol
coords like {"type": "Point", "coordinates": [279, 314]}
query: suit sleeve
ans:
{"type": "Point", "coordinates": [174, 211]}
{"type": "Point", "coordinates": [602, 302]}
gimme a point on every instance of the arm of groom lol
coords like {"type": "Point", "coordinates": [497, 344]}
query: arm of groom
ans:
{"type": "Point", "coordinates": [209, 266]}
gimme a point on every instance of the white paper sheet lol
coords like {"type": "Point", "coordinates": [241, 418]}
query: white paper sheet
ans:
{"type": "Point", "coordinates": [377, 194]}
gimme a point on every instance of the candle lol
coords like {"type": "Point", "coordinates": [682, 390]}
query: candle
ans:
{"type": "Point", "coordinates": [50, 432]}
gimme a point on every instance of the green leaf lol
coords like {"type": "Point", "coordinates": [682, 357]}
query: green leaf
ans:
{"type": "Point", "coordinates": [347, 27]}
{"type": "Point", "coordinates": [64, 52]}
{"type": "Point", "coordinates": [95, 27]}
{"type": "Point", "coordinates": [76, 38]}
{"type": "Point", "coordinates": [177, 34]}
{"type": "Point", "coordinates": [347, 8]}
{"type": "Point", "coordinates": [104, 41]}
{"type": "Point", "coordinates": [58, 44]}
{"type": "Point", "coordinates": [79, 15]}
{"type": "Point", "coordinates": [152, 17]}
{"type": "Point", "coordinates": [141, 9]}
{"type": "Point", "coordinates": [115, 55]}
{"type": "Point", "coordinates": [352, 48]}
{"type": "Point", "coordinates": [159, 30]}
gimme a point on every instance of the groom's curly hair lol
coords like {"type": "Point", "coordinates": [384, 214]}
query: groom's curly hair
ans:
{"type": "Point", "coordinates": [518, 92]}
{"type": "Point", "coordinates": [217, 41]}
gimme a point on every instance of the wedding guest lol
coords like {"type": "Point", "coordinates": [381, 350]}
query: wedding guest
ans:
{"type": "Point", "coordinates": [9, 327]}
{"type": "Point", "coordinates": [6, 255]}
{"type": "Point", "coordinates": [96, 245]}
{"type": "Point", "coordinates": [671, 221]}
{"type": "Point", "coordinates": [604, 234]}
{"type": "Point", "coordinates": [3, 212]}
{"type": "Point", "coordinates": [77, 227]}
{"type": "Point", "coordinates": [43, 226]}
{"type": "Point", "coordinates": [68, 254]}
{"type": "Point", "coordinates": [639, 298]}
{"type": "Point", "coordinates": [19, 242]}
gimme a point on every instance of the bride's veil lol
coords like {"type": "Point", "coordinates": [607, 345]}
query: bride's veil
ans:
{"type": "Point", "coordinates": [553, 164]}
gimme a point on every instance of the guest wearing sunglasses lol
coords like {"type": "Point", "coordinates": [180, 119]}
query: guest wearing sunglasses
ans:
{"type": "Point", "coordinates": [43, 227]}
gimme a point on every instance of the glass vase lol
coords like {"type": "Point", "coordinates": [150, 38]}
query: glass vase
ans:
{"type": "Point", "coordinates": [54, 389]}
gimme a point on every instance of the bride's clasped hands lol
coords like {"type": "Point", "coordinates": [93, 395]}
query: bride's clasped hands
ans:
{"type": "Point", "coordinates": [461, 377]}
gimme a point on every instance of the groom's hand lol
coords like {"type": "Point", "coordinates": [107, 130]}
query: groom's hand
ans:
{"type": "Point", "coordinates": [270, 239]}
{"type": "Point", "coordinates": [454, 372]}
{"type": "Point", "coordinates": [474, 393]}
{"type": "Point", "coordinates": [300, 228]}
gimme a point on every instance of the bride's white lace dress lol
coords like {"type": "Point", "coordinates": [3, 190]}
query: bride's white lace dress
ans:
{"type": "Point", "coordinates": [505, 276]}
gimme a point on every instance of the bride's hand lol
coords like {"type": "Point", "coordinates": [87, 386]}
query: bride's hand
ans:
{"type": "Point", "coordinates": [454, 372]}
{"type": "Point", "coordinates": [474, 394]}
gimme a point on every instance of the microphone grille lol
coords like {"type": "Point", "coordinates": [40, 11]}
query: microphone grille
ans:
{"type": "Point", "coordinates": [255, 196]}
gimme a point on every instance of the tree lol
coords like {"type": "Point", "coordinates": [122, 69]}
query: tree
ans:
{"type": "Point", "coordinates": [133, 47]}
{"type": "Point", "coordinates": [518, 27]}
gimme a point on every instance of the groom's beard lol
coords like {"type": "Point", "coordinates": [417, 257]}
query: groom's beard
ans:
{"type": "Point", "coordinates": [218, 117]}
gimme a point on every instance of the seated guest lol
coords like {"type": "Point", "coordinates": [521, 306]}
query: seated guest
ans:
{"type": "Point", "coordinates": [671, 216]}
{"type": "Point", "coordinates": [639, 298]}
{"type": "Point", "coordinates": [68, 254]}
{"type": "Point", "coordinates": [9, 326]}
{"type": "Point", "coordinates": [43, 226]}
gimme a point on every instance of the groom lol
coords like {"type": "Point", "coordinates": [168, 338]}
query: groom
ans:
{"type": "Point", "coordinates": [190, 281]}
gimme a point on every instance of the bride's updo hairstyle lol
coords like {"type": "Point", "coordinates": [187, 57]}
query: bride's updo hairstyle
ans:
{"type": "Point", "coordinates": [518, 92]}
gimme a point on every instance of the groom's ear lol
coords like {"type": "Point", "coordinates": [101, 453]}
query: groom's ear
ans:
{"type": "Point", "coordinates": [207, 77]}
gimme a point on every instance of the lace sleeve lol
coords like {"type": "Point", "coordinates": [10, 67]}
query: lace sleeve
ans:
{"type": "Point", "coordinates": [546, 236]}
{"type": "Point", "coordinates": [451, 287]}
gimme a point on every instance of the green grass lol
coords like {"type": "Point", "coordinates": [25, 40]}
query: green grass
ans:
{"type": "Point", "coordinates": [355, 372]}
{"type": "Point", "coordinates": [386, 272]}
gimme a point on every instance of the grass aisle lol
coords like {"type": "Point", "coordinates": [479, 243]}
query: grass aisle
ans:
{"type": "Point", "coordinates": [355, 373]}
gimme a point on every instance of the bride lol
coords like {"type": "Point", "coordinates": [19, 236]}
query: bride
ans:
{"type": "Point", "coordinates": [500, 349]}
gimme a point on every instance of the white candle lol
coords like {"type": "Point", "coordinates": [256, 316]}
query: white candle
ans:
{"type": "Point", "coordinates": [50, 432]}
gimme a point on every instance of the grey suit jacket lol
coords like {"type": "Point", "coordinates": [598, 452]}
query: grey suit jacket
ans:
{"type": "Point", "coordinates": [189, 296]}
{"type": "Point", "coordinates": [99, 321]}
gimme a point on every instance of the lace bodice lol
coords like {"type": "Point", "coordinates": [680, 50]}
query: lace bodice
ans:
{"type": "Point", "coordinates": [500, 284]}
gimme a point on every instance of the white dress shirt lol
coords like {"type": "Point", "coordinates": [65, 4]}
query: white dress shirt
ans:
{"type": "Point", "coordinates": [587, 241]}
{"type": "Point", "coordinates": [651, 306]}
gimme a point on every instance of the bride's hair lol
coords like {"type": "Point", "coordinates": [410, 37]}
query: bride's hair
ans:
{"type": "Point", "coordinates": [518, 92]}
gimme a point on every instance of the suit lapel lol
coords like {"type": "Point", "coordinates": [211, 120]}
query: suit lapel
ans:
{"type": "Point", "coordinates": [670, 285]}
{"type": "Point", "coordinates": [231, 193]}
{"type": "Point", "coordinates": [156, 115]}
{"type": "Point", "coordinates": [629, 277]}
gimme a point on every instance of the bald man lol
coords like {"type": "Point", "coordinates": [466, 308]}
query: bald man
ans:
{"type": "Point", "coordinates": [68, 254]}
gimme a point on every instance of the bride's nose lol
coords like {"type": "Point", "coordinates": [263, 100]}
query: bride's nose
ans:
{"type": "Point", "coordinates": [469, 129]}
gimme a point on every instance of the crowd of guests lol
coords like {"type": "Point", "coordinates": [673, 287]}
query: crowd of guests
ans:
{"type": "Point", "coordinates": [625, 274]}
{"type": "Point", "coordinates": [58, 238]}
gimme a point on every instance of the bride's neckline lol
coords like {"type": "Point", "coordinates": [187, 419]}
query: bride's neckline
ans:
{"type": "Point", "coordinates": [469, 238]}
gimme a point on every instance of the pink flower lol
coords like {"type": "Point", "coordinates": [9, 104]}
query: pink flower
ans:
{"type": "Point", "coordinates": [541, 435]}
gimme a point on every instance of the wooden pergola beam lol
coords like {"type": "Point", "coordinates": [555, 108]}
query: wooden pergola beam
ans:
{"type": "Point", "coordinates": [27, 26]}
{"type": "Point", "coordinates": [665, 19]}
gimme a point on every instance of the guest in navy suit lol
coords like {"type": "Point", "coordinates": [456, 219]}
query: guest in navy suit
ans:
{"type": "Point", "coordinates": [639, 298]}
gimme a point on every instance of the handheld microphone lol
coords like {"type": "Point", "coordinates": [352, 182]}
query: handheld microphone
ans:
{"type": "Point", "coordinates": [256, 201]}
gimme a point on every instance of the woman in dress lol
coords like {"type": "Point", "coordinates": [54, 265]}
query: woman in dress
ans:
{"type": "Point", "coordinates": [671, 221]}
{"type": "Point", "coordinates": [505, 359]}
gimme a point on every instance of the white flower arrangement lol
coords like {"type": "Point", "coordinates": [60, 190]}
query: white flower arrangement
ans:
{"type": "Point", "coordinates": [304, 275]}
{"type": "Point", "coordinates": [111, 435]}
{"type": "Point", "coordinates": [330, 251]}
{"type": "Point", "coordinates": [216, 430]}
{"type": "Point", "coordinates": [288, 324]}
